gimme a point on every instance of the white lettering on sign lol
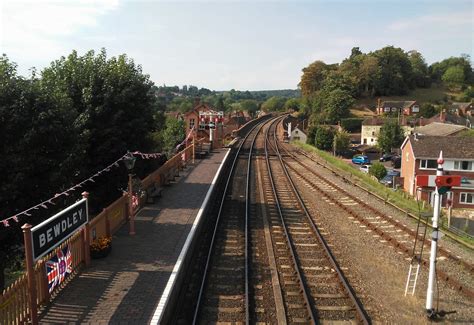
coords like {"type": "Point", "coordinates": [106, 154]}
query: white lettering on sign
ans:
{"type": "Point", "coordinates": [49, 235]}
{"type": "Point", "coordinates": [42, 239]}
{"type": "Point", "coordinates": [57, 229]}
{"type": "Point", "coordinates": [63, 225]}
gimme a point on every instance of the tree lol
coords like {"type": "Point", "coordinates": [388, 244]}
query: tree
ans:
{"type": "Point", "coordinates": [274, 104]}
{"type": "Point", "coordinates": [421, 76]}
{"type": "Point", "coordinates": [390, 136]}
{"type": "Point", "coordinates": [454, 76]}
{"type": "Point", "coordinates": [249, 105]}
{"type": "Point", "coordinates": [378, 170]}
{"type": "Point", "coordinates": [438, 69]}
{"type": "Point", "coordinates": [341, 141]}
{"type": "Point", "coordinates": [173, 133]}
{"type": "Point", "coordinates": [396, 73]}
{"type": "Point", "coordinates": [293, 104]}
{"type": "Point", "coordinates": [337, 104]}
{"type": "Point", "coordinates": [428, 110]}
{"type": "Point", "coordinates": [314, 76]}
{"type": "Point", "coordinates": [324, 138]}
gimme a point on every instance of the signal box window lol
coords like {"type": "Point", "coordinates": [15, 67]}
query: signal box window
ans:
{"type": "Point", "coordinates": [191, 123]}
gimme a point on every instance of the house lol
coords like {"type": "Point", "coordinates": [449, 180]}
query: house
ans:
{"type": "Point", "coordinates": [440, 129]}
{"type": "Point", "coordinates": [462, 109]}
{"type": "Point", "coordinates": [452, 118]}
{"type": "Point", "coordinates": [297, 130]}
{"type": "Point", "coordinates": [402, 107]}
{"type": "Point", "coordinates": [371, 129]}
{"type": "Point", "coordinates": [419, 156]}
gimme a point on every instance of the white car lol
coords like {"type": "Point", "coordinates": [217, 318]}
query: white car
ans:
{"type": "Point", "coordinates": [364, 168]}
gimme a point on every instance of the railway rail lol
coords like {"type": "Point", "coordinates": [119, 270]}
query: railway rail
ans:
{"type": "Point", "coordinates": [385, 226]}
{"type": "Point", "coordinates": [313, 285]}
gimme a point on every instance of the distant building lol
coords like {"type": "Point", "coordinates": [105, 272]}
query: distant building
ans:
{"type": "Point", "coordinates": [401, 107]}
{"type": "Point", "coordinates": [440, 129]}
{"type": "Point", "coordinates": [448, 117]}
{"type": "Point", "coordinates": [298, 128]}
{"type": "Point", "coordinates": [419, 155]}
{"type": "Point", "coordinates": [298, 134]}
{"type": "Point", "coordinates": [462, 109]}
{"type": "Point", "coordinates": [371, 129]}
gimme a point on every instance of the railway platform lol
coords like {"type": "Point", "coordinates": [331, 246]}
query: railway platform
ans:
{"type": "Point", "coordinates": [132, 284]}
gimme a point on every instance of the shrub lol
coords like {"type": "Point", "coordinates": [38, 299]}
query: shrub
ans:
{"type": "Point", "coordinates": [352, 124]}
{"type": "Point", "coordinates": [378, 170]}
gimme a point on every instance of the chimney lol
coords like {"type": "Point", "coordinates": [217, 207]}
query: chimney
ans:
{"type": "Point", "coordinates": [442, 116]}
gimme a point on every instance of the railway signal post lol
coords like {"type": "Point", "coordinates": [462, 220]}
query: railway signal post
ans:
{"type": "Point", "coordinates": [443, 184]}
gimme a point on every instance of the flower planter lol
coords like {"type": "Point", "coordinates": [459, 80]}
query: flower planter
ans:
{"type": "Point", "coordinates": [101, 253]}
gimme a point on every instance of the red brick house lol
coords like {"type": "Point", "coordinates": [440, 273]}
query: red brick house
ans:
{"type": "Point", "coordinates": [404, 107]}
{"type": "Point", "coordinates": [419, 155]}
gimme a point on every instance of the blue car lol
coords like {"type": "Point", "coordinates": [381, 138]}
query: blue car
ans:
{"type": "Point", "coordinates": [360, 160]}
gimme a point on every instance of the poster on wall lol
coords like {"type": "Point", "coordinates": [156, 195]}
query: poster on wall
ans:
{"type": "Point", "coordinates": [59, 267]}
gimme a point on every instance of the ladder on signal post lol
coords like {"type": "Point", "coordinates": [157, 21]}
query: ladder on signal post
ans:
{"type": "Point", "coordinates": [414, 270]}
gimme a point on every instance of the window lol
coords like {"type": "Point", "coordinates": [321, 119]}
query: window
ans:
{"type": "Point", "coordinates": [372, 140]}
{"type": "Point", "coordinates": [296, 131]}
{"type": "Point", "coordinates": [463, 165]}
{"type": "Point", "coordinates": [191, 123]}
{"type": "Point", "coordinates": [428, 164]}
{"type": "Point", "coordinates": [466, 198]}
{"type": "Point", "coordinates": [373, 133]}
{"type": "Point", "coordinates": [365, 140]}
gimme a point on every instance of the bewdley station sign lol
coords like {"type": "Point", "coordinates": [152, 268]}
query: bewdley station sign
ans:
{"type": "Point", "coordinates": [52, 232]}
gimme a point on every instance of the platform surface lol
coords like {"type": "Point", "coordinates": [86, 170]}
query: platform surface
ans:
{"type": "Point", "coordinates": [126, 286]}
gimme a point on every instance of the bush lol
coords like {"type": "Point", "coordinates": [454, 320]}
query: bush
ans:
{"type": "Point", "coordinates": [352, 124]}
{"type": "Point", "coordinates": [324, 138]}
{"type": "Point", "coordinates": [378, 170]}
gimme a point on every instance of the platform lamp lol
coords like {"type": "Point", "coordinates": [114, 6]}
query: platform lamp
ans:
{"type": "Point", "coordinates": [129, 162]}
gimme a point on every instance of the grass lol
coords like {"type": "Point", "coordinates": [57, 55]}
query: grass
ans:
{"type": "Point", "coordinates": [398, 197]}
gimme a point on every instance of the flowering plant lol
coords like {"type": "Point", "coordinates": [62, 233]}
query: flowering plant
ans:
{"type": "Point", "coordinates": [101, 243]}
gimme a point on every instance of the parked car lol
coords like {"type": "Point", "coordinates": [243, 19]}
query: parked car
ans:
{"type": "Point", "coordinates": [396, 161]}
{"type": "Point", "coordinates": [360, 160]}
{"type": "Point", "coordinates": [386, 157]}
{"type": "Point", "coordinates": [364, 168]}
{"type": "Point", "coordinates": [388, 179]}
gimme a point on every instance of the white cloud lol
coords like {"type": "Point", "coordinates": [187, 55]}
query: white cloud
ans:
{"type": "Point", "coordinates": [44, 29]}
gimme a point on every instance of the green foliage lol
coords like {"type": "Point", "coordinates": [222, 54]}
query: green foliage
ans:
{"type": "Point", "coordinates": [337, 104]}
{"type": "Point", "coordinates": [467, 133]}
{"type": "Point", "coordinates": [313, 77]}
{"type": "Point", "coordinates": [341, 141]}
{"type": "Point", "coordinates": [378, 170]}
{"type": "Point", "coordinates": [391, 136]}
{"type": "Point", "coordinates": [293, 104]}
{"type": "Point", "coordinates": [352, 124]}
{"type": "Point", "coordinates": [274, 104]}
{"type": "Point", "coordinates": [421, 76]}
{"type": "Point", "coordinates": [438, 69]}
{"type": "Point", "coordinates": [173, 133]}
{"type": "Point", "coordinates": [249, 105]}
{"type": "Point", "coordinates": [428, 110]}
{"type": "Point", "coordinates": [395, 72]}
{"type": "Point", "coordinates": [324, 138]}
{"type": "Point", "coordinates": [454, 76]}
{"type": "Point", "coordinates": [311, 134]}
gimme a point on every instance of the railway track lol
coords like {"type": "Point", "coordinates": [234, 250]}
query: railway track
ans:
{"type": "Point", "coordinates": [389, 229]}
{"type": "Point", "coordinates": [313, 286]}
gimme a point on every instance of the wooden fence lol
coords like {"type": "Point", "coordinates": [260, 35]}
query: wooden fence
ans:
{"type": "Point", "coordinates": [14, 301]}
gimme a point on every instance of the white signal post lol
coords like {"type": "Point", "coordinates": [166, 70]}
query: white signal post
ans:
{"type": "Point", "coordinates": [434, 243]}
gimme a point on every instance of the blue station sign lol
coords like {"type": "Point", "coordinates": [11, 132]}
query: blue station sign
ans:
{"type": "Point", "coordinates": [52, 232]}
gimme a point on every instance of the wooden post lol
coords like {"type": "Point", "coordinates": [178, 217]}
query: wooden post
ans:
{"type": "Point", "coordinates": [86, 238]}
{"type": "Point", "coordinates": [194, 148]}
{"type": "Point", "coordinates": [32, 294]}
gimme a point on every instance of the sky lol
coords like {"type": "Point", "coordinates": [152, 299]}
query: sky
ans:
{"type": "Point", "coordinates": [222, 45]}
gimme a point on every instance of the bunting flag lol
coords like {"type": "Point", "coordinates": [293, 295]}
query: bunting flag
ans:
{"type": "Point", "coordinates": [187, 138]}
{"type": "Point", "coordinates": [59, 267]}
{"type": "Point", "coordinates": [44, 204]}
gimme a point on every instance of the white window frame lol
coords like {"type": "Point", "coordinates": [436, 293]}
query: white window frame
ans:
{"type": "Point", "coordinates": [458, 164]}
{"type": "Point", "coordinates": [421, 164]}
{"type": "Point", "coordinates": [465, 198]}
{"type": "Point", "coordinates": [192, 122]}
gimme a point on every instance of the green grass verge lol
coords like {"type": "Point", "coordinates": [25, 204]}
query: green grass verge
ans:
{"type": "Point", "coordinates": [398, 197]}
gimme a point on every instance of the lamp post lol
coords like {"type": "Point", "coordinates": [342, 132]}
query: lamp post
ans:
{"type": "Point", "coordinates": [129, 162]}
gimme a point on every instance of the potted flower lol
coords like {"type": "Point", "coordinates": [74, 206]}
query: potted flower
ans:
{"type": "Point", "coordinates": [101, 247]}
